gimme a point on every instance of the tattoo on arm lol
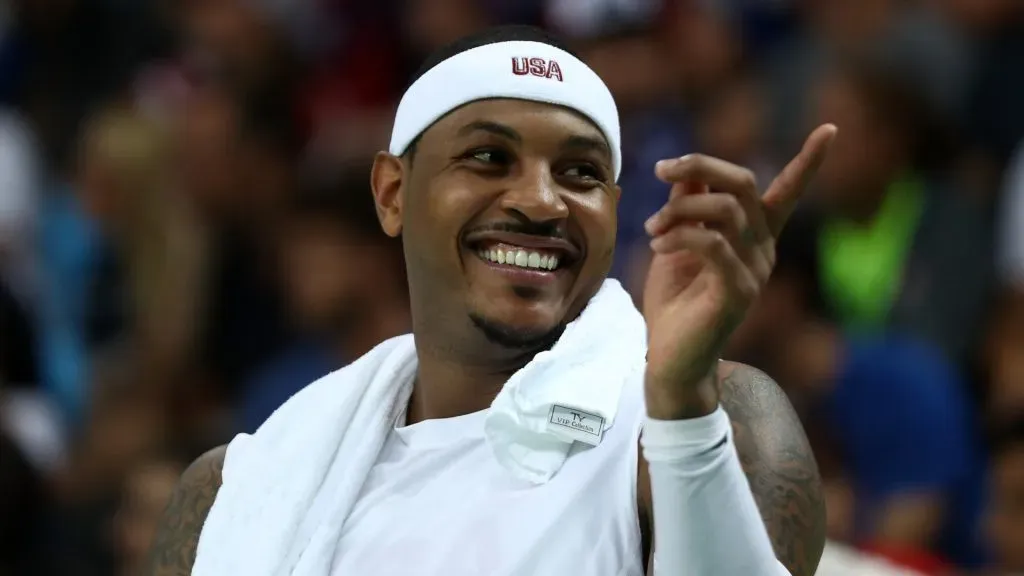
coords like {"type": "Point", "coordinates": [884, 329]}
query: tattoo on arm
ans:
{"type": "Point", "coordinates": [779, 465]}
{"type": "Point", "coordinates": [177, 538]}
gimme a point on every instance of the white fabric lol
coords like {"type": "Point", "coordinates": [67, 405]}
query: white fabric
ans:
{"type": "Point", "coordinates": [841, 560]}
{"type": "Point", "coordinates": [438, 504]}
{"type": "Point", "coordinates": [592, 18]}
{"type": "Point", "coordinates": [703, 507]}
{"type": "Point", "coordinates": [1011, 244]}
{"type": "Point", "coordinates": [34, 423]}
{"type": "Point", "coordinates": [289, 488]}
{"type": "Point", "coordinates": [488, 72]}
{"type": "Point", "coordinates": [584, 371]}
{"type": "Point", "coordinates": [19, 199]}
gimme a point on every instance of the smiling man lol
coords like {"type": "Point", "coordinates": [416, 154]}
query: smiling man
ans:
{"type": "Point", "coordinates": [501, 180]}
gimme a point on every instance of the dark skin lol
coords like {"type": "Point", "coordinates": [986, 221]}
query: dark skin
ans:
{"type": "Point", "coordinates": [497, 166]}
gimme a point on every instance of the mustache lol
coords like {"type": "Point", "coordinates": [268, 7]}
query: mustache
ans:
{"type": "Point", "coordinates": [541, 229]}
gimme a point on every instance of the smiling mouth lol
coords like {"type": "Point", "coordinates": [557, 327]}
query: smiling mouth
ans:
{"type": "Point", "coordinates": [543, 260]}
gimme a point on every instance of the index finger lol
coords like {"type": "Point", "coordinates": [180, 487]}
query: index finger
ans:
{"type": "Point", "coordinates": [718, 175]}
{"type": "Point", "coordinates": [782, 196]}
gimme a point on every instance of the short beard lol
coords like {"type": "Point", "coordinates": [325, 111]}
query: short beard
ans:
{"type": "Point", "coordinates": [520, 339]}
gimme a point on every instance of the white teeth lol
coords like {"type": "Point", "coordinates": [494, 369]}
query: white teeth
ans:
{"type": "Point", "coordinates": [521, 258]}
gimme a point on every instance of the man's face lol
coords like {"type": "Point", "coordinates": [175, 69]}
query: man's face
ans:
{"type": "Point", "coordinates": [1006, 509]}
{"type": "Point", "coordinates": [507, 212]}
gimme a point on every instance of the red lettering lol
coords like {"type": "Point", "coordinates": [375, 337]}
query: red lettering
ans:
{"type": "Point", "coordinates": [538, 66]}
{"type": "Point", "coordinates": [554, 70]}
{"type": "Point", "coordinates": [519, 66]}
{"type": "Point", "coordinates": [522, 65]}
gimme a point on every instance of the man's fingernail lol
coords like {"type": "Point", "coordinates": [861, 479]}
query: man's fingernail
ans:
{"type": "Point", "coordinates": [660, 165]}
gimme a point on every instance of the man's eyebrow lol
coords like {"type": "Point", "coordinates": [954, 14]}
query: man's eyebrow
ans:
{"type": "Point", "coordinates": [490, 127]}
{"type": "Point", "coordinates": [587, 143]}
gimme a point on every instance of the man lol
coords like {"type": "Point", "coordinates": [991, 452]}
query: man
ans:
{"type": "Point", "coordinates": [480, 156]}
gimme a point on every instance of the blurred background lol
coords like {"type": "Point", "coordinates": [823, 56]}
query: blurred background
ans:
{"type": "Point", "coordinates": [187, 238]}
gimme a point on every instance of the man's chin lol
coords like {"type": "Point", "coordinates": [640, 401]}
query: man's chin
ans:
{"type": "Point", "coordinates": [518, 336]}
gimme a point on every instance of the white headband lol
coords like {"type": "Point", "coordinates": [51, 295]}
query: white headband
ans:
{"type": "Point", "coordinates": [524, 70]}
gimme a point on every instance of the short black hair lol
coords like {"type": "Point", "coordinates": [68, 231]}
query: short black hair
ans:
{"type": "Point", "coordinates": [492, 35]}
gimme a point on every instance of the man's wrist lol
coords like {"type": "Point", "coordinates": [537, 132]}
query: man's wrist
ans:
{"type": "Point", "coordinates": [668, 400]}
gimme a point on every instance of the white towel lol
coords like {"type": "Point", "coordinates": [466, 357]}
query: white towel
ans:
{"type": "Point", "coordinates": [570, 392]}
{"type": "Point", "coordinates": [288, 489]}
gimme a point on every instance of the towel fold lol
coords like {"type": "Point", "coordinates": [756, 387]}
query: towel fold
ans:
{"type": "Point", "coordinates": [288, 489]}
{"type": "Point", "coordinates": [570, 392]}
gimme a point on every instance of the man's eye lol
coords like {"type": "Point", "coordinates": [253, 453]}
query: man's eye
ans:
{"type": "Point", "coordinates": [584, 172]}
{"type": "Point", "coordinates": [487, 156]}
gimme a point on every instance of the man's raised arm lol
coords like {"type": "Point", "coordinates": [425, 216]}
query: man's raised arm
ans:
{"type": "Point", "coordinates": [174, 548]}
{"type": "Point", "coordinates": [707, 510]}
{"type": "Point", "coordinates": [778, 462]}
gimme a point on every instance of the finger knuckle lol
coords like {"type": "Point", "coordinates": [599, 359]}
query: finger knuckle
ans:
{"type": "Point", "coordinates": [748, 180]}
{"type": "Point", "coordinates": [717, 242]}
{"type": "Point", "coordinates": [732, 208]}
{"type": "Point", "coordinates": [763, 271]}
{"type": "Point", "coordinates": [771, 255]}
{"type": "Point", "coordinates": [750, 289]}
{"type": "Point", "coordinates": [695, 162]}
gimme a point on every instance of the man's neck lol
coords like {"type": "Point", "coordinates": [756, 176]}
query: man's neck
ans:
{"type": "Point", "coordinates": [448, 385]}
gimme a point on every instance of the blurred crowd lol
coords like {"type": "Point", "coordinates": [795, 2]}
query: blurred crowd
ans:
{"type": "Point", "coordinates": [187, 238]}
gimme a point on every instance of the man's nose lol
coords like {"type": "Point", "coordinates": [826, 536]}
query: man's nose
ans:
{"type": "Point", "coordinates": [535, 196]}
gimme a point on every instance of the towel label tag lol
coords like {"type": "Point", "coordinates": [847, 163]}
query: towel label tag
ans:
{"type": "Point", "coordinates": [575, 424]}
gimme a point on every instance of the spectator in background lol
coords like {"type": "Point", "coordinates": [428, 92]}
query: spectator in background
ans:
{"type": "Point", "coordinates": [901, 419]}
{"type": "Point", "coordinates": [239, 165]}
{"type": "Point", "coordinates": [144, 496]}
{"type": "Point", "coordinates": [876, 251]}
{"type": "Point", "coordinates": [20, 179]}
{"type": "Point", "coordinates": [126, 421]}
{"type": "Point", "coordinates": [906, 32]}
{"type": "Point", "coordinates": [731, 125]}
{"type": "Point", "coordinates": [23, 487]}
{"type": "Point", "coordinates": [19, 266]}
{"type": "Point", "coordinates": [1006, 350]}
{"type": "Point", "coordinates": [1005, 524]}
{"type": "Point", "coordinates": [994, 118]}
{"type": "Point", "coordinates": [244, 45]}
{"type": "Point", "coordinates": [345, 282]}
{"type": "Point", "coordinates": [150, 287]}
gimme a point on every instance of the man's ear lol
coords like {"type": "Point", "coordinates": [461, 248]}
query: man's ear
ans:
{"type": "Point", "coordinates": [386, 180]}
